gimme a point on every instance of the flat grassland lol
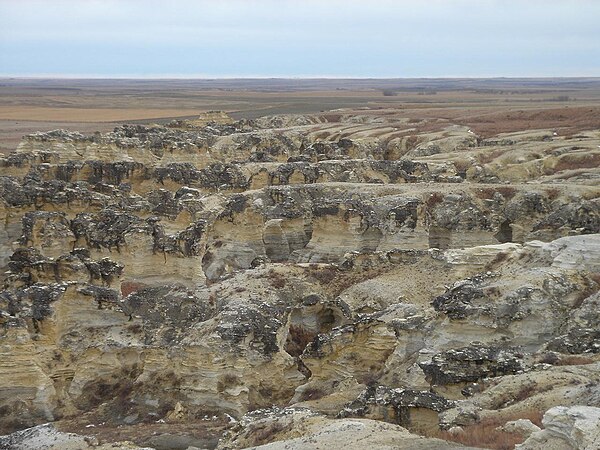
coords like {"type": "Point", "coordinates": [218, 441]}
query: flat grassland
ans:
{"type": "Point", "coordinates": [489, 106]}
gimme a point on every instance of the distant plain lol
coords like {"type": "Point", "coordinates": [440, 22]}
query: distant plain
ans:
{"type": "Point", "coordinates": [489, 106]}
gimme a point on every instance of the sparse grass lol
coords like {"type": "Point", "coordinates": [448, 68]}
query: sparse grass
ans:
{"type": "Point", "coordinates": [487, 193]}
{"type": "Point", "coordinates": [462, 165]}
{"type": "Point", "coordinates": [105, 102]}
{"type": "Point", "coordinates": [595, 276]}
{"type": "Point", "coordinates": [489, 156]}
{"type": "Point", "coordinates": [129, 287]}
{"type": "Point", "coordinates": [526, 391]}
{"type": "Point", "coordinates": [485, 434]}
{"type": "Point", "coordinates": [434, 199]}
{"type": "Point", "coordinates": [276, 279]}
{"type": "Point", "coordinates": [552, 193]}
{"type": "Point", "coordinates": [311, 393]}
{"type": "Point", "coordinates": [135, 328]}
{"type": "Point", "coordinates": [498, 259]}
{"type": "Point", "coordinates": [336, 281]}
{"type": "Point", "coordinates": [267, 433]}
{"type": "Point", "coordinates": [568, 120]}
{"type": "Point", "coordinates": [591, 287]}
{"type": "Point", "coordinates": [578, 161]}
{"type": "Point", "coordinates": [412, 142]}
{"type": "Point", "coordinates": [140, 433]}
{"type": "Point", "coordinates": [358, 277]}
{"type": "Point", "coordinates": [573, 360]}
{"type": "Point", "coordinates": [507, 192]}
{"type": "Point", "coordinates": [323, 274]}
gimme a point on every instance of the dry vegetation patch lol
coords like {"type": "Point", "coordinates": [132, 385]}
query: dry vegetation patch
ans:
{"type": "Point", "coordinates": [569, 120]}
{"type": "Point", "coordinates": [488, 434]}
{"type": "Point", "coordinates": [336, 281]}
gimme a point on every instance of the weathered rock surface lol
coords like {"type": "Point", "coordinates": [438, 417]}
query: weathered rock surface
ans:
{"type": "Point", "coordinates": [301, 429]}
{"type": "Point", "coordinates": [378, 280]}
{"type": "Point", "coordinates": [46, 437]}
{"type": "Point", "coordinates": [577, 427]}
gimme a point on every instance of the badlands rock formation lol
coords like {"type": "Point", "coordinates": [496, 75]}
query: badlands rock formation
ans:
{"type": "Point", "coordinates": [341, 280]}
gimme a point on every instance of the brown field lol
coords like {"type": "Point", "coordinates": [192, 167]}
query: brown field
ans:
{"type": "Point", "coordinates": [67, 114]}
{"type": "Point", "coordinates": [489, 106]}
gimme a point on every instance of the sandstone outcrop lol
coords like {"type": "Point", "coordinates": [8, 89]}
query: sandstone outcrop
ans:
{"type": "Point", "coordinates": [369, 286]}
{"type": "Point", "coordinates": [575, 427]}
{"type": "Point", "coordinates": [46, 437]}
{"type": "Point", "coordinates": [298, 429]}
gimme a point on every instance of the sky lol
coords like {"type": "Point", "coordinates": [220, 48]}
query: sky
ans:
{"type": "Point", "coordinates": [300, 38]}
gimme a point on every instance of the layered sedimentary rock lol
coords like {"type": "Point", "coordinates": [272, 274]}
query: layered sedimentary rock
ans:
{"type": "Point", "coordinates": [215, 269]}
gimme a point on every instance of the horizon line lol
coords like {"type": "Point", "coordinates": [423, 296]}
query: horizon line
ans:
{"type": "Point", "coordinates": [283, 77]}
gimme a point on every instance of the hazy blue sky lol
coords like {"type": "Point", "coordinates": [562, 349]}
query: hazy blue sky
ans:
{"type": "Point", "coordinates": [366, 38]}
